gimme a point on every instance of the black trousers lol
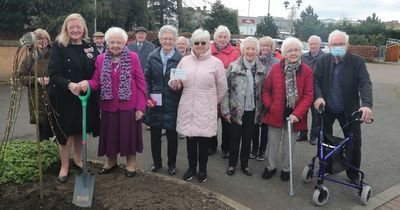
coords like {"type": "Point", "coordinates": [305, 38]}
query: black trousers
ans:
{"type": "Point", "coordinates": [172, 139]}
{"type": "Point", "coordinates": [226, 135]}
{"type": "Point", "coordinates": [353, 151]}
{"type": "Point", "coordinates": [241, 134]}
{"type": "Point", "coordinates": [259, 143]}
{"type": "Point", "coordinates": [197, 149]}
{"type": "Point", "coordinates": [314, 123]}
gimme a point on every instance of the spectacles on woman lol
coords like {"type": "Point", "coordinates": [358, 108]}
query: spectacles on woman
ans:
{"type": "Point", "coordinates": [198, 43]}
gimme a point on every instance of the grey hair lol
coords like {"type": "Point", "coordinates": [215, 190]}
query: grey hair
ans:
{"type": "Point", "coordinates": [200, 35]}
{"type": "Point", "coordinates": [221, 29]}
{"type": "Point", "coordinates": [314, 37]}
{"type": "Point", "coordinates": [338, 33]}
{"type": "Point", "coordinates": [249, 40]}
{"type": "Point", "coordinates": [186, 41]}
{"type": "Point", "coordinates": [289, 41]}
{"type": "Point", "coordinates": [168, 28]}
{"type": "Point", "coordinates": [115, 30]}
{"type": "Point", "coordinates": [268, 40]}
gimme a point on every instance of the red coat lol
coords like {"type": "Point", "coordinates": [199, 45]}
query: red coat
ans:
{"type": "Point", "coordinates": [227, 55]}
{"type": "Point", "coordinates": [274, 96]}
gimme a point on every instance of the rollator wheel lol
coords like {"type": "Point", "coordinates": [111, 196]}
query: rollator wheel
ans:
{"type": "Point", "coordinates": [321, 195]}
{"type": "Point", "coordinates": [307, 174]}
{"type": "Point", "coordinates": [365, 194]}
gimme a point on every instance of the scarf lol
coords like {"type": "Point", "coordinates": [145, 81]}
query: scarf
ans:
{"type": "Point", "coordinates": [124, 87]}
{"type": "Point", "coordinates": [266, 60]}
{"type": "Point", "coordinates": [290, 81]}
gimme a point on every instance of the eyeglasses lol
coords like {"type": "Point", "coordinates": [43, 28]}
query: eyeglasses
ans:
{"type": "Point", "coordinates": [338, 44]}
{"type": "Point", "coordinates": [198, 43]}
{"type": "Point", "coordinates": [295, 50]}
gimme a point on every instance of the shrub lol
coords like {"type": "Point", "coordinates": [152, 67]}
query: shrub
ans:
{"type": "Point", "coordinates": [19, 162]}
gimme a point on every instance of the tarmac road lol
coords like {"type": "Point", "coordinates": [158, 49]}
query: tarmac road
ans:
{"type": "Point", "coordinates": [380, 158]}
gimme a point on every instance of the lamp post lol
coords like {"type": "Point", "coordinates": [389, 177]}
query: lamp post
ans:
{"type": "Point", "coordinates": [248, 20]}
{"type": "Point", "coordinates": [292, 12]}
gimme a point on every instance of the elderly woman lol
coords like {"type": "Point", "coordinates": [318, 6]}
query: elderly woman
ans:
{"type": "Point", "coordinates": [267, 58]}
{"type": "Point", "coordinates": [119, 78]}
{"type": "Point", "coordinates": [162, 101]}
{"type": "Point", "coordinates": [242, 106]}
{"type": "Point", "coordinates": [26, 75]}
{"type": "Point", "coordinates": [72, 60]}
{"type": "Point", "coordinates": [202, 89]}
{"type": "Point", "coordinates": [287, 93]}
{"type": "Point", "coordinates": [224, 51]}
{"type": "Point", "coordinates": [182, 45]}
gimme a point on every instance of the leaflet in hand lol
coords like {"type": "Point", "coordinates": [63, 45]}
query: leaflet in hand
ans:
{"type": "Point", "coordinates": [177, 74]}
{"type": "Point", "coordinates": [157, 98]}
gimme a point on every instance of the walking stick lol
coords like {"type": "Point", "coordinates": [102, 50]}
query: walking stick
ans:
{"type": "Point", "coordinates": [291, 193]}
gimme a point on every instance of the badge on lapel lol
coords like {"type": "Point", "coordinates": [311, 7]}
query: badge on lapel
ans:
{"type": "Point", "coordinates": [89, 52]}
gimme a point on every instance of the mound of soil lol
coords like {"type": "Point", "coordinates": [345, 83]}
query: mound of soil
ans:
{"type": "Point", "coordinates": [111, 191]}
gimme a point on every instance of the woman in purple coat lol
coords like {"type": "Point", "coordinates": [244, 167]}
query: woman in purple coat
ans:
{"type": "Point", "coordinates": [119, 77]}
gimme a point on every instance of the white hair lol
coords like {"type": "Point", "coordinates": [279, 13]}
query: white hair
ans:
{"type": "Point", "coordinates": [249, 40]}
{"type": "Point", "coordinates": [314, 37]}
{"type": "Point", "coordinates": [200, 35]}
{"type": "Point", "coordinates": [290, 41]}
{"type": "Point", "coordinates": [338, 33]}
{"type": "Point", "coordinates": [115, 30]}
{"type": "Point", "coordinates": [168, 28]}
{"type": "Point", "coordinates": [221, 29]}
{"type": "Point", "coordinates": [187, 42]}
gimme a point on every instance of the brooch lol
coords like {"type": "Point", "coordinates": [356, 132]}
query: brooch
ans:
{"type": "Point", "coordinates": [88, 50]}
{"type": "Point", "coordinates": [89, 55]}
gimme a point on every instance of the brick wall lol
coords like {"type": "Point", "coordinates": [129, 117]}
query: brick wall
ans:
{"type": "Point", "coordinates": [368, 52]}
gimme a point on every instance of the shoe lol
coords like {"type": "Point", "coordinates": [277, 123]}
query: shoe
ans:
{"type": "Point", "coordinates": [225, 155]}
{"type": "Point", "coordinates": [313, 141]}
{"type": "Point", "coordinates": [108, 170]}
{"type": "Point", "coordinates": [247, 171]}
{"type": "Point", "coordinates": [172, 170]}
{"type": "Point", "coordinates": [130, 174]}
{"type": "Point", "coordinates": [355, 181]}
{"type": "Point", "coordinates": [74, 166]}
{"type": "Point", "coordinates": [62, 179]}
{"type": "Point", "coordinates": [285, 175]}
{"type": "Point", "coordinates": [154, 168]}
{"type": "Point", "coordinates": [212, 151]}
{"type": "Point", "coordinates": [302, 136]}
{"type": "Point", "coordinates": [268, 174]}
{"type": "Point", "coordinates": [147, 127]}
{"type": "Point", "coordinates": [252, 155]}
{"type": "Point", "coordinates": [202, 177]}
{"type": "Point", "coordinates": [261, 156]}
{"type": "Point", "coordinates": [230, 171]}
{"type": "Point", "coordinates": [189, 174]}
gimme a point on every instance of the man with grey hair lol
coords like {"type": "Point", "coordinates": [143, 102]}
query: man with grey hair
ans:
{"type": "Point", "coordinates": [310, 58]}
{"type": "Point", "coordinates": [141, 46]}
{"type": "Point", "coordinates": [342, 84]}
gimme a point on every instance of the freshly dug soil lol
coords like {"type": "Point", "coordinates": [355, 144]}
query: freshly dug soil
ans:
{"type": "Point", "coordinates": [111, 191]}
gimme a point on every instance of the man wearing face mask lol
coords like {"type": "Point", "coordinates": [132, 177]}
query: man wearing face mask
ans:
{"type": "Point", "coordinates": [341, 79]}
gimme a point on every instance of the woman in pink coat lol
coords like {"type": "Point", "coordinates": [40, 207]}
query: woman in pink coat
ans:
{"type": "Point", "coordinates": [203, 88]}
{"type": "Point", "coordinates": [119, 77]}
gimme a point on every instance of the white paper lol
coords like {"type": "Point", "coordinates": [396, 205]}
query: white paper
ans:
{"type": "Point", "coordinates": [177, 74]}
{"type": "Point", "coordinates": [157, 97]}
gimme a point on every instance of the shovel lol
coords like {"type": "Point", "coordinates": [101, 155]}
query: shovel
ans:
{"type": "Point", "coordinates": [289, 124]}
{"type": "Point", "coordinates": [84, 183]}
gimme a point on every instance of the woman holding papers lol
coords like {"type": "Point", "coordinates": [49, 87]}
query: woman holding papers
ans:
{"type": "Point", "coordinates": [162, 101]}
{"type": "Point", "coordinates": [203, 86]}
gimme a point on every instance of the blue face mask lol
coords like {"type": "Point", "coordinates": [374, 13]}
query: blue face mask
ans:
{"type": "Point", "coordinates": [338, 51]}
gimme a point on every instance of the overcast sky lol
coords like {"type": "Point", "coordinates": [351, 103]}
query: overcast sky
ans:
{"type": "Point", "coordinates": [337, 9]}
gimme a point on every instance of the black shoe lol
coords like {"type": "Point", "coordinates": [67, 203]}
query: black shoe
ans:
{"type": "Point", "coordinates": [189, 174]}
{"type": "Point", "coordinates": [261, 156]}
{"type": "Point", "coordinates": [268, 174]}
{"type": "Point", "coordinates": [313, 140]}
{"type": "Point", "coordinates": [74, 166]}
{"type": "Point", "coordinates": [285, 175]}
{"type": "Point", "coordinates": [172, 170]}
{"type": "Point", "coordinates": [155, 168]}
{"type": "Point", "coordinates": [108, 170]}
{"type": "Point", "coordinates": [62, 179]}
{"type": "Point", "coordinates": [225, 154]}
{"type": "Point", "coordinates": [130, 174]}
{"type": "Point", "coordinates": [230, 171]}
{"type": "Point", "coordinates": [302, 136]}
{"type": "Point", "coordinates": [253, 155]}
{"type": "Point", "coordinates": [202, 177]}
{"type": "Point", "coordinates": [247, 171]}
{"type": "Point", "coordinates": [355, 181]}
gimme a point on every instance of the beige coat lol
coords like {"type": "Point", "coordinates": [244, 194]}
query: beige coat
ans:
{"type": "Point", "coordinates": [204, 87]}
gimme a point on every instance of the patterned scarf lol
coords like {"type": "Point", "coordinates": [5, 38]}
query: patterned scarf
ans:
{"type": "Point", "coordinates": [290, 81]}
{"type": "Point", "coordinates": [124, 87]}
{"type": "Point", "coordinates": [266, 59]}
